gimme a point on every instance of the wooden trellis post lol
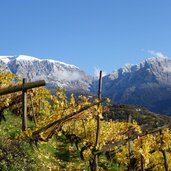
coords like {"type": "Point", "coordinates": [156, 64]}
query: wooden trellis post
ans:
{"type": "Point", "coordinates": [23, 87]}
{"type": "Point", "coordinates": [166, 165]}
{"type": "Point", "coordinates": [95, 162]}
{"type": "Point", "coordinates": [142, 158]}
{"type": "Point", "coordinates": [34, 115]}
{"type": "Point", "coordinates": [130, 145]}
{"type": "Point", "coordinates": [24, 107]}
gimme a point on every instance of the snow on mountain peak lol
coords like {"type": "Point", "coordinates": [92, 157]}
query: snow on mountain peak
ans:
{"type": "Point", "coordinates": [61, 63]}
{"type": "Point", "coordinates": [156, 59]}
{"type": "Point", "coordinates": [127, 67]}
{"type": "Point", "coordinates": [28, 58]}
{"type": "Point", "coordinates": [31, 58]}
{"type": "Point", "coordinates": [7, 59]}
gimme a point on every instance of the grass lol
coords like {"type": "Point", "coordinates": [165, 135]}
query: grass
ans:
{"type": "Point", "coordinates": [13, 125]}
{"type": "Point", "coordinates": [56, 155]}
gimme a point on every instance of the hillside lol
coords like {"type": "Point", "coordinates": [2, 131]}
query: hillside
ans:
{"type": "Point", "coordinates": [78, 133]}
{"type": "Point", "coordinates": [146, 119]}
{"type": "Point", "coordinates": [16, 155]}
{"type": "Point", "coordinates": [59, 153]}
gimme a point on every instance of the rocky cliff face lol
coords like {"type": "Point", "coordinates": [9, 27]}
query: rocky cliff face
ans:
{"type": "Point", "coordinates": [147, 84]}
{"type": "Point", "coordinates": [55, 73]}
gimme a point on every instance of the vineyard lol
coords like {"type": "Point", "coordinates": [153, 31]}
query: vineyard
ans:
{"type": "Point", "coordinates": [99, 143]}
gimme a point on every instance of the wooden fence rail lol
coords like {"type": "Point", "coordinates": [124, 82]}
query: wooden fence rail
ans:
{"type": "Point", "coordinates": [22, 87]}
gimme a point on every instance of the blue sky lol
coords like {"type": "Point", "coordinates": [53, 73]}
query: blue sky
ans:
{"type": "Point", "coordinates": [90, 34]}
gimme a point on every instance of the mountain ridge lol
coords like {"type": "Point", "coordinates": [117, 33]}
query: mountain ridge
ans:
{"type": "Point", "coordinates": [146, 84]}
{"type": "Point", "coordinates": [55, 73]}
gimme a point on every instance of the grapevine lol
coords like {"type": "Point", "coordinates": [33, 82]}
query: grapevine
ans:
{"type": "Point", "coordinates": [76, 119]}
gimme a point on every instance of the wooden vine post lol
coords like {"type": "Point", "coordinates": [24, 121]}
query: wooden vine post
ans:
{"type": "Point", "coordinates": [23, 87]}
{"type": "Point", "coordinates": [142, 158]}
{"type": "Point", "coordinates": [24, 107]}
{"type": "Point", "coordinates": [164, 152]}
{"type": "Point", "coordinates": [33, 111]}
{"type": "Point", "coordinates": [95, 162]}
{"type": "Point", "coordinates": [130, 145]}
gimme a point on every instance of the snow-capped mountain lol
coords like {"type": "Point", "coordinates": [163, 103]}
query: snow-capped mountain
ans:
{"type": "Point", "coordinates": [55, 73]}
{"type": "Point", "coordinates": [147, 84]}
